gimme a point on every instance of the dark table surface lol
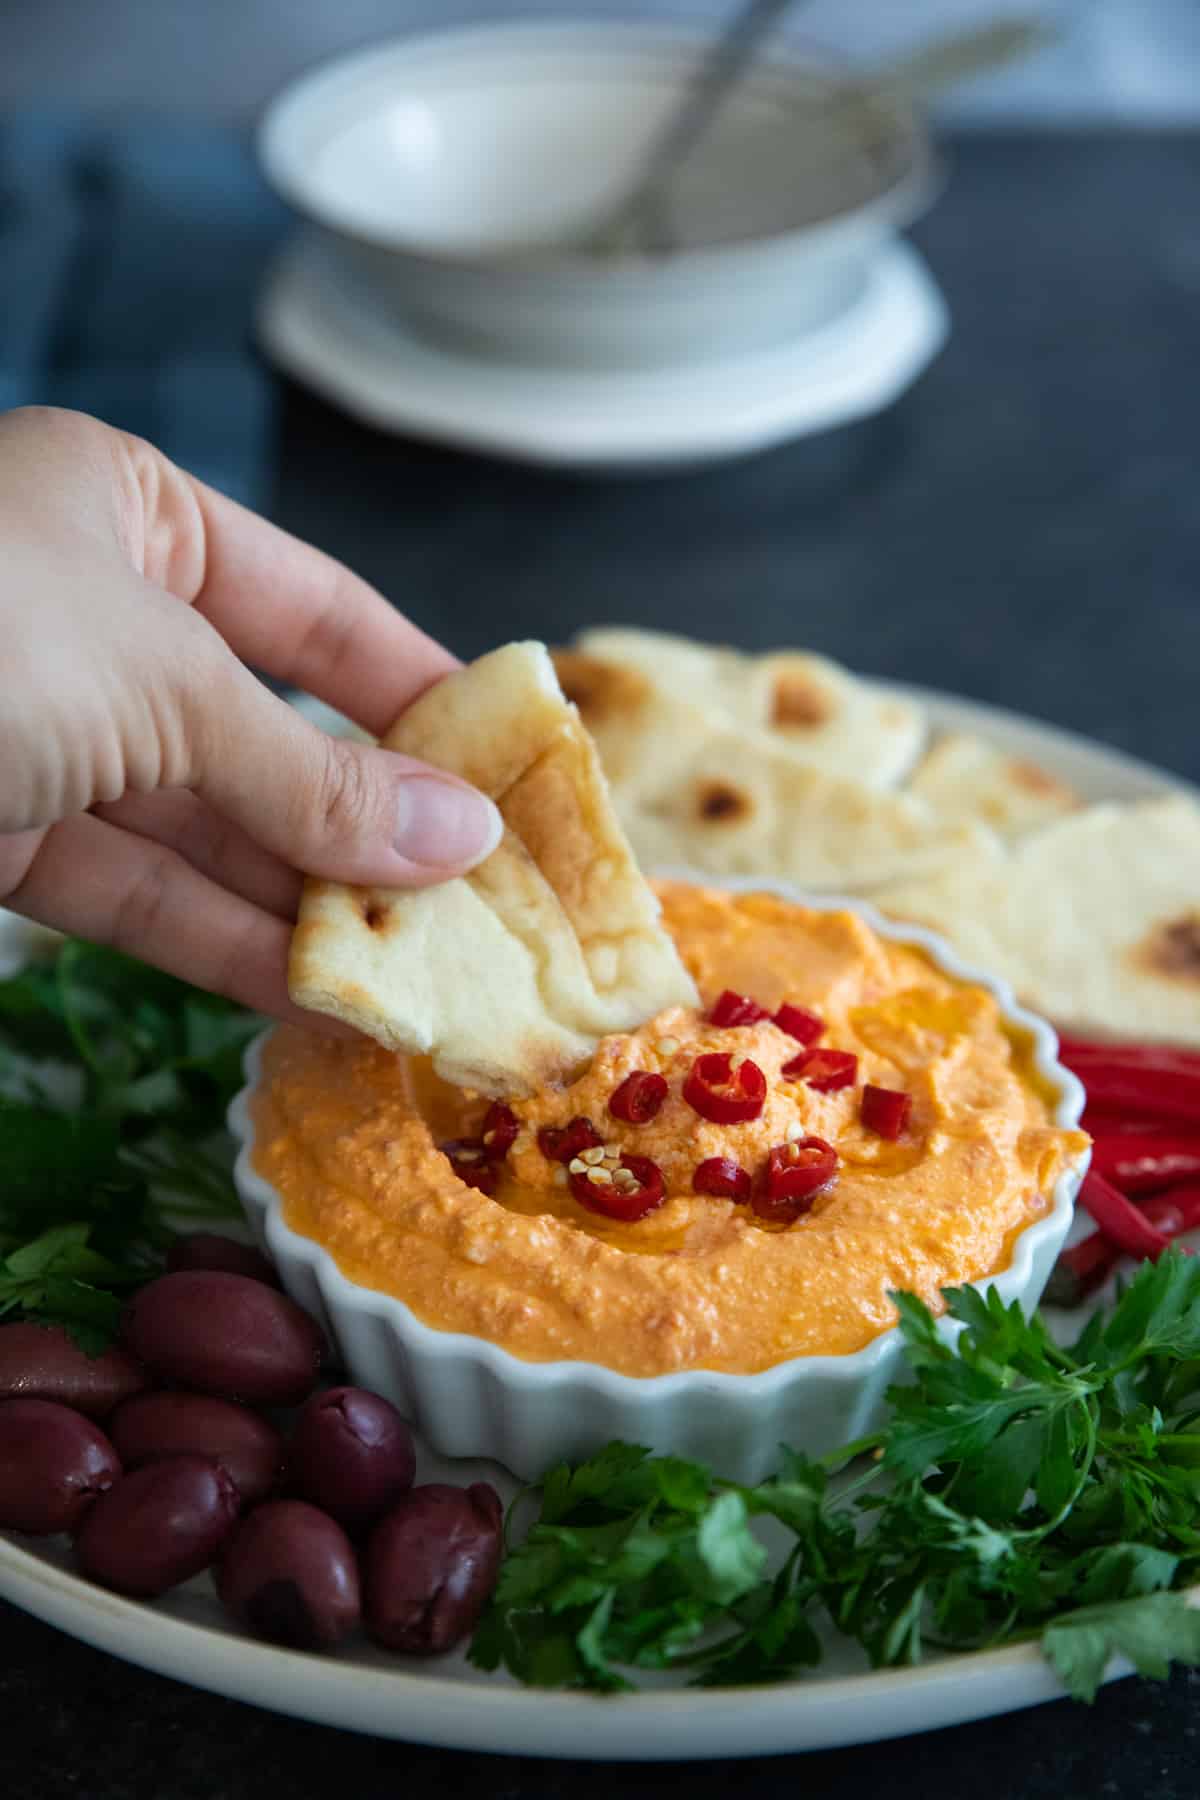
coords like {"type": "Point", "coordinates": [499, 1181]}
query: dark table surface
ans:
{"type": "Point", "coordinates": [1024, 527]}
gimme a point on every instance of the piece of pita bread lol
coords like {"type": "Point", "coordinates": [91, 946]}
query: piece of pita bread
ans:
{"type": "Point", "coordinates": [724, 800]}
{"type": "Point", "coordinates": [1095, 920]}
{"type": "Point", "coordinates": [965, 779]}
{"type": "Point", "coordinates": [508, 976]}
{"type": "Point", "coordinates": [810, 707]}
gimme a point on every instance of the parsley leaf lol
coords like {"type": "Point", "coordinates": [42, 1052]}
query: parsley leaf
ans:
{"type": "Point", "coordinates": [1152, 1631]}
{"type": "Point", "coordinates": [114, 1081]}
{"type": "Point", "coordinates": [1018, 1491]}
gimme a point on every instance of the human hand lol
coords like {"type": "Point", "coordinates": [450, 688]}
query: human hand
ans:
{"type": "Point", "coordinates": [154, 795]}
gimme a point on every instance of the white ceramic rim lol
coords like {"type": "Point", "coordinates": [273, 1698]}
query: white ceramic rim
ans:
{"type": "Point", "coordinates": [896, 203]}
{"type": "Point", "coordinates": [395, 1699]}
{"type": "Point", "coordinates": [528, 1378]}
{"type": "Point", "coordinates": [326, 335]}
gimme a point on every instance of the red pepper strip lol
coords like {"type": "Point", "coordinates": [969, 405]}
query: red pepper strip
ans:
{"type": "Point", "coordinates": [629, 1204]}
{"type": "Point", "coordinates": [806, 1027]}
{"type": "Point", "coordinates": [795, 1175]}
{"type": "Point", "coordinates": [638, 1097]}
{"type": "Point", "coordinates": [824, 1070]}
{"type": "Point", "coordinates": [1119, 1219]}
{"type": "Point", "coordinates": [1165, 1088]}
{"type": "Point", "coordinates": [1147, 1054]}
{"type": "Point", "coordinates": [885, 1110]}
{"type": "Point", "coordinates": [1083, 1268]}
{"type": "Point", "coordinates": [736, 1009]}
{"type": "Point", "coordinates": [1139, 1162]}
{"type": "Point", "coordinates": [563, 1142]}
{"type": "Point", "coordinates": [722, 1176]}
{"type": "Point", "coordinates": [1098, 1123]}
{"type": "Point", "coordinates": [1080, 1270]}
{"type": "Point", "coordinates": [499, 1130]}
{"type": "Point", "coordinates": [1176, 1211]}
{"type": "Point", "coordinates": [722, 1094]}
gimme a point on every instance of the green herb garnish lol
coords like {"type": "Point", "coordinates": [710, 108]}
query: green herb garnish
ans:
{"type": "Point", "coordinates": [1019, 1491]}
{"type": "Point", "coordinates": [114, 1081]}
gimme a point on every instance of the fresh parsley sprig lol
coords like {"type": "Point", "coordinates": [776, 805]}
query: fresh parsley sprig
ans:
{"type": "Point", "coordinates": [114, 1081]}
{"type": "Point", "coordinates": [1019, 1490]}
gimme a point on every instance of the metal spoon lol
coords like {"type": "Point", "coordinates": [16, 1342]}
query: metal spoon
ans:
{"type": "Point", "coordinates": [636, 218]}
{"type": "Point", "coordinates": [636, 223]}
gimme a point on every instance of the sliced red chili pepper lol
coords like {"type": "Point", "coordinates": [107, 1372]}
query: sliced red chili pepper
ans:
{"type": "Point", "coordinates": [722, 1094]}
{"type": "Point", "coordinates": [469, 1160]}
{"type": "Point", "coordinates": [825, 1070]}
{"type": "Point", "coordinates": [806, 1027]}
{"type": "Point", "coordinates": [730, 1009]}
{"type": "Point", "coordinates": [1119, 1219]}
{"type": "Point", "coordinates": [795, 1175]}
{"type": "Point", "coordinates": [479, 1175]}
{"type": "Point", "coordinates": [620, 1200]}
{"type": "Point", "coordinates": [500, 1129]}
{"type": "Point", "coordinates": [721, 1176]}
{"type": "Point", "coordinates": [1140, 1162]}
{"type": "Point", "coordinates": [638, 1097]}
{"type": "Point", "coordinates": [562, 1142]}
{"type": "Point", "coordinates": [885, 1110]}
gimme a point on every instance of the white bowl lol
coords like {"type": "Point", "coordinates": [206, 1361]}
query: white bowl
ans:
{"type": "Point", "coordinates": [468, 1397]}
{"type": "Point", "coordinates": [450, 171]}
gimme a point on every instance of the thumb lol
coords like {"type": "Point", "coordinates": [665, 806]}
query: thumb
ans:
{"type": "Point", "coordinates": [339, 810]}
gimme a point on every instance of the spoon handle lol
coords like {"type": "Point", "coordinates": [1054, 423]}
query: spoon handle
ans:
{"type": "Point", "coordinates": [637, 218]}
{"type": "Point", "coordinates": [721, 69]}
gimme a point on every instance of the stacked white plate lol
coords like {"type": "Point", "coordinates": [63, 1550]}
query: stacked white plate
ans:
{"type": "Point", "coordinates": [436, 289]}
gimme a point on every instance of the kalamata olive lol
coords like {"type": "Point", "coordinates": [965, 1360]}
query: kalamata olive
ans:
{"type": "Point", "coordinates": [43, 1362]}
{"type": "Point", "coordinates": [224, 1334]}
{"type": "Point", "coordinates": [209, 1250]}
{"type": "Point", "coordinates": [430, 1565]}
{"type": "Point", "coordinates": [352, 1455]}
{"type": "Point", "coordinates": [54, 1464]}
{"type": "Point", "coordinates": [247, 1446]}
{"type": "Point", "coordinates": [159, 1526]}
{"type": "Point", "coordinates": [289, 1573]}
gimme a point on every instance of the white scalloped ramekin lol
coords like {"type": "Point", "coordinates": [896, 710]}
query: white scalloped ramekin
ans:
{"type": "Point", "coordinates": [470, 1398]}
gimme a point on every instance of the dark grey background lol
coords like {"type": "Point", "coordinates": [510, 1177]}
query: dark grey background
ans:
{"type": "Point", "coordinates": [1136, 60]}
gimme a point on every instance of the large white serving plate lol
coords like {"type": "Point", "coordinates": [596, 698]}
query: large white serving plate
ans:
{"type": "Point", "coordinates": [446, 1702]}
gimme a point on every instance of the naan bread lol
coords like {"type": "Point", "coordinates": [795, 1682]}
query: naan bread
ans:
{"type": "Point", "coordinates": [697, 791]}
{"type": "Point", "coordinates": [967, 780]}
{"type": "Point", "coordinates": [1095, 920]}
{"type": "Point", "coordinates": [507, 976]}
{"type": "Point", "coordinates": [814, 710]}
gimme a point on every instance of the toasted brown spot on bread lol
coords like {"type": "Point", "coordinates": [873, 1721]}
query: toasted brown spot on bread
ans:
{"type": "Point", "coordinates": [1172, 949]}
{"type": "Point", "coordinates": [374, 916]}
{"type": "Point", "coordinates": [798, 703]}
{"type": "Point", "coordinates": [601, 690]}
{"type": "Point", "coordinates": [1039, 781]}
{"type": "Point", "coordinates": [718, 802]}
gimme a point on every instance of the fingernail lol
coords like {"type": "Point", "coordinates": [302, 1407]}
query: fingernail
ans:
{"type": "Point", "coordinates": [445, 827]}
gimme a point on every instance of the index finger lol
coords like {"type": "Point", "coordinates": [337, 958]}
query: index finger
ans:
{"type": "Point", "coordinates": [306, 619]}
